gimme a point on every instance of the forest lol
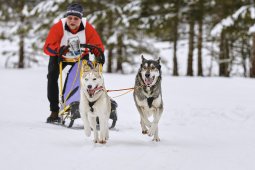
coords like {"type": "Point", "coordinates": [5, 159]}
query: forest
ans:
{"type": "Point", "coordinates": [218, 36]}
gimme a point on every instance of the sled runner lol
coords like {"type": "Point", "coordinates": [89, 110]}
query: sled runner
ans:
{"type": "Point", "coordinates": [70, 94]}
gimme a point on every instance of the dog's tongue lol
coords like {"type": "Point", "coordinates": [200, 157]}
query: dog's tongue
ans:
{"type": "Point", "coordinates": [148, 81]}
{"type": "Point", "coordinates": [91, 92]}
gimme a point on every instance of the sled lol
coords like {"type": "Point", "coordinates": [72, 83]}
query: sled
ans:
{"type": "Point", "coordinates": [70, 93]}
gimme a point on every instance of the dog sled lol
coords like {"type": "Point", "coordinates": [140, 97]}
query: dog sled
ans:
{"type": "Point", "coordinates": [70, 92]}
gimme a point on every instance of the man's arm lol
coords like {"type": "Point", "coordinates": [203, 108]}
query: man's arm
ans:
{"type": "Point", "coordinates": [52, 42]}
{"type": "Point", "coordinates": [92, 37]}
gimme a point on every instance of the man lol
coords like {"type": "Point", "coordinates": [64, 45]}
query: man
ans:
{"type": "Point", "coordinates": [72, 25]}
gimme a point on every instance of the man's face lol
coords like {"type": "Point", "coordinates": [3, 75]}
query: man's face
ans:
{"type": "Point", "coordinates": [73, 22]}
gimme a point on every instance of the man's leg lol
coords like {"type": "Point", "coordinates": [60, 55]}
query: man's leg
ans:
{"type": "Point", "coordinates": [52, 89]}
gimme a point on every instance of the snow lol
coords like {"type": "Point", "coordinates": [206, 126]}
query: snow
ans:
{"type": "Point", "coordinates": [207, 123]}
{"type": "Point", "coordinates": [252, 29]}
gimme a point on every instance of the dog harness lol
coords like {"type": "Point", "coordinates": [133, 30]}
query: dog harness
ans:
{"type": "Point", "coordinates": [149, 101]}
{"type": "Point", "coordinates": [91, 104]}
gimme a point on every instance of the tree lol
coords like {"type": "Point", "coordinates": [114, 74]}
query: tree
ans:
{"type": "Point", "coordinates": [22, 26]}
{"type": "Point", "coordinates": [191, 20]}
{"type": "Point", "coordinates": [163, 19]}
{"type": "Point", "coordinates": [232, 27]}
{"type": "Point", "coordinates": [252, 69]}
{"type": "Point", "coordinates": [201, 15]}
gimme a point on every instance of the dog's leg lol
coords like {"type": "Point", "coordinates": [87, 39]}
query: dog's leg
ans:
{"type": "Point", "coordinates": [87, 128]}
{"type": "Point", "coordinates": [154, 126]}
{"type": "Point", "coordinates": [84, 116]}
{"type": "Point", "coordinates": [92, 121]}
{"type": "Point", "coordinates": [103, 129]}
{"type": "Point", "coordinates": [143, 120]}
{"type": "Point", "coordinates": [156, 138]}
{"type": "Point", "coordinates": [144, 129]}
{"type": "Point", "coordinates": [106, 130]}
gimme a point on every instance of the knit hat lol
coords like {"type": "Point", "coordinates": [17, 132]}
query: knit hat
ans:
{"type": "Point", "coordinates": [74, 9]}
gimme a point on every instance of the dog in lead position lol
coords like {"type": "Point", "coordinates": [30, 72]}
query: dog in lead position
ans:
{"type": "Point", "coordinates": [148, 96]}
{"type": "Point", "coordinates": [94, 102]}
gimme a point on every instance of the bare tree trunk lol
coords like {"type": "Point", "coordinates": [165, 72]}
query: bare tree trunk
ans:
{"type": "Point", "coordinates": [191, 47]}
{"type": "Point", "coordinates": [221, 56]}
{"type": "Point", "coordinates": [21, 38]}
{"type": "Point", "coordinates": [243, 58]}
{"type": "Point", "coordinates": [200, 40]}
{"type": "Point", "coordinates": [110, 46]}
{"type": "Point", "coordinates": [175, 62]}
{"type": "Point", "coordinates": [224, 56]}
{"type": "Point", "coordinates": [119, 54]}
{"type": "Point", "coordinates": [21, 52]}
{"type": "Point", "coordinates": [109, 59]}
{"type": "Point", "coordinates": [252, 69]}
{"type": "Point", "coordinates": [176, 23]}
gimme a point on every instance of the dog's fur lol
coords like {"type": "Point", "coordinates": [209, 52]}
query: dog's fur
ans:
{"type": "Point", "coordinates": [94, 102]}
{"type": "Point", "coordinates": [148, 96]}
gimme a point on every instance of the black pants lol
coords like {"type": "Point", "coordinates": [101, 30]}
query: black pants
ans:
{"type": "Point", "coordinates": [52, 88]}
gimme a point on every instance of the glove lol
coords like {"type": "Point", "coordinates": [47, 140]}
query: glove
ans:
{"type": "Point", "coordinates": [85, 56]}
{"type": "Point", "coordinates": [100, 59]}
{"type": "Point", "coordinates": [96, 52]}
{"type": "Point", "coordinates": [63, 50]}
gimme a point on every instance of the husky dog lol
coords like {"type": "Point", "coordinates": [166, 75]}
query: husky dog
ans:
{"type": "Point", "coordinates": [148, 96]}
{"type": "Point", "coordinates": [94, 102]}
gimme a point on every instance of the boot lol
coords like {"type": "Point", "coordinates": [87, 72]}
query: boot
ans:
{"type": "Point", "coordinates": [53, 118]}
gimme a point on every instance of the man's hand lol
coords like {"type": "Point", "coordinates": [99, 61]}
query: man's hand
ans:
{"type": "Point", "coordinates": [63, 50]}
{"type": "Point", "coordinates": [96, 52]}
{"type": "Point", "coordinates": [99, 56]}
{"type": "Point", "coordinates": [100, 59]}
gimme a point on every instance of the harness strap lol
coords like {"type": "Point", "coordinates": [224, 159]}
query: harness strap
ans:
{"type": "Point", "coordinates": [120, 90]}
{"type": "Point", "coordinates": [91, 104]}
{"type": "Point", "coordinates": [149, 101]}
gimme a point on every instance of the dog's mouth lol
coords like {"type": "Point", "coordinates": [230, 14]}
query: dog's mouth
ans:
{"type": "Point", "coordinates": [92, 92]}
{"type": "Point", "coordinates": [148, 80]}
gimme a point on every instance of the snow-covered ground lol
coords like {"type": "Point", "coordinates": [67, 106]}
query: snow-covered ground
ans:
{"type": "Point", "coordinates": [207, 124]}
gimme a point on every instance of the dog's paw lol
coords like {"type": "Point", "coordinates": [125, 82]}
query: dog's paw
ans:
{"type": "Point", "coordinates": [96, 141]}
{"type": "Point", "coordinates": [150, 133]}
{"type": "Point", "coordinates": [152, 130]}
{"type": "Point", "coordinates": [102, 141]}
{"type": "Point", "coordinates": [144, 132]}
{"type": "Point", "coordinates": [156, 139]}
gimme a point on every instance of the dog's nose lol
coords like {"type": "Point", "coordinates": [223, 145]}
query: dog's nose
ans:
{"type": "Point", "coordinates": [89, 86]}
{"type": "Point", "coordinates": [147, 75]}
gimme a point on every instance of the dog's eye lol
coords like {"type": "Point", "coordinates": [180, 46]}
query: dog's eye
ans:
{"type": "Point", "coordinates": [86, 79]}
{"type": "Point", "coordinates": [153, 68]}
{"type": "Point", "coordinates": [94, 79]}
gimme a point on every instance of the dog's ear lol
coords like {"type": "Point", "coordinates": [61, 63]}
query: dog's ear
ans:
{"type": "Point", "coordinates": [158, 60]}
{"type": "Point", "coordinates": [98, 69]}
{"type": "Point", "coordinates": [143, 59]}
{"type": "Point", "coordinates": [85, 68]}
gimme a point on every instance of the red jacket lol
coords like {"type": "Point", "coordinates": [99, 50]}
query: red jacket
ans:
{"type": "Point", "coordinates": [53, 40]}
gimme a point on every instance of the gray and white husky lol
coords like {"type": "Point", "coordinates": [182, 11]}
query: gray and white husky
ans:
{"type": "Point", "coordinates": [94, 102]}
{"type": "Point", "coordinates": [148, 96]}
